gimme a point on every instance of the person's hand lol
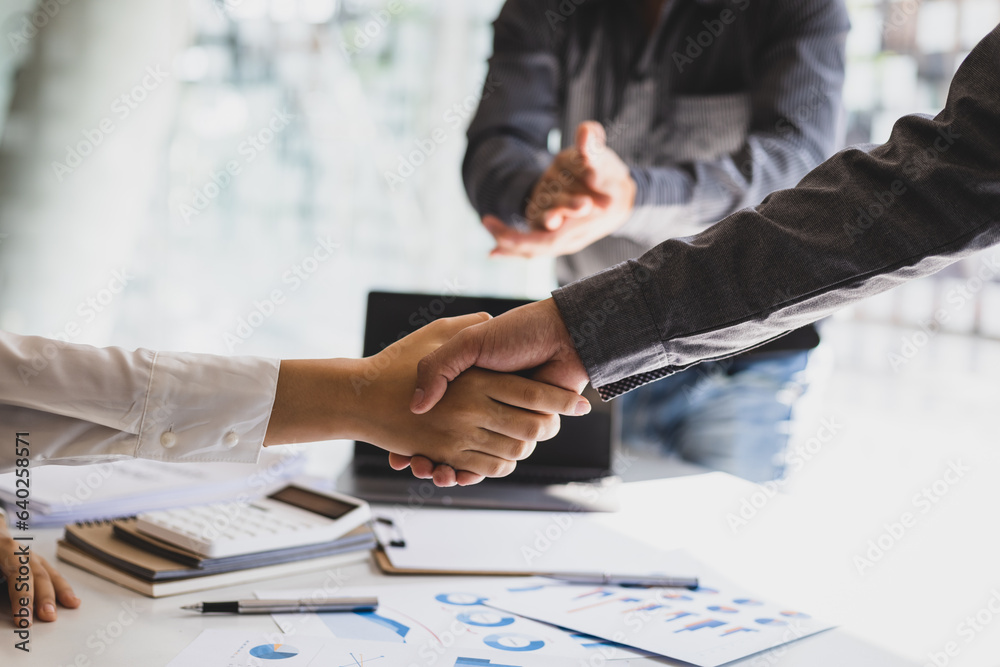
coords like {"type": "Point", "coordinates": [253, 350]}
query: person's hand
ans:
{"type": "Point", "coordinates": [586, 194]}
{"type": "Point", "coordinates": [530, 337]}
{"type": "Point", "coordinates": [491, 421]}
{"type": "Point", "coordinates": [46, 587]}
{"type": "Point", "coordinates": [483, 427]}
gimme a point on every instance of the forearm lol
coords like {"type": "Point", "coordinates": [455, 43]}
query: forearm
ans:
{"type": "Point", "coordinates": [318, 400]}
{"type": "Point", "coordinates": [84, 404]}
{"type": "Point", "coordinates": [860, 224]}
{"type": "Point", "coordinates": [519, 106]}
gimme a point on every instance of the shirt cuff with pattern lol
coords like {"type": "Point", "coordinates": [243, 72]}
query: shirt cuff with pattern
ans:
{"type": "Point", "coordinates": [613, 329]}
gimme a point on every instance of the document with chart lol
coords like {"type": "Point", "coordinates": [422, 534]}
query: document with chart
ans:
{"type": "Point", "coordinates": [233, 648]}
{"type": "Point", "coordinates": [447, 613]}
{"type": "Point", "coordinates": [710, 626]}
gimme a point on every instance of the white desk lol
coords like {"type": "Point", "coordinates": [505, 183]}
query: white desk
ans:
{"type": "Point", "coordinates": [690, 512]}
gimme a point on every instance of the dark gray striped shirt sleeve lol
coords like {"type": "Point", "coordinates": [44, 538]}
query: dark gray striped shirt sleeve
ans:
{"type": "Point", "coordinates": [508, 137]}
{"type": "Point", "coordinates": [867, 220]}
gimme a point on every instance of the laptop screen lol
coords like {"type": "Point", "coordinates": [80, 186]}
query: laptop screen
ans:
{"type": "Point", "coordinates": [585, 446]}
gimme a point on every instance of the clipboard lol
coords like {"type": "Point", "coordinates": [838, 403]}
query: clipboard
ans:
{"type": "Point", "coordinates": [470, 542]}
{"type": "Point", "coordinates": [386, 566]}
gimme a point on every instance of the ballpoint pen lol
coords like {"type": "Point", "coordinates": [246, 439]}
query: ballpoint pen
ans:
{"type": "Point", "coordinates": [604, 579]}
{"type": "Point", "coordinates": [319, 605]}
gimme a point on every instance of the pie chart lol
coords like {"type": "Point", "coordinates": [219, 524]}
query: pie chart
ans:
{"type": "Point", "coordinates": [274, 651]}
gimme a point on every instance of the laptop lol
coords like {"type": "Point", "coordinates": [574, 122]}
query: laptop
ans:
{"type": "Point", "coordinates": [571, 472]}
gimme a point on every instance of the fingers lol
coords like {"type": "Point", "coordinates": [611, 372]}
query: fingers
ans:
{"type": "Point", "coordinates": [590, 139]}
{"type": "Point", "coordinates": [534, 395]}
{"type": "Point", "coordinates": [398, 461]}
{"type": "Point", "coordinates": [567, 206]}
{"type": "Point", "coordinates": [45, 594]}
{"type": "Point", "coordinates": [496, 228]}
{"type": "Point", "coordinates": [466, 478]}
{"type": "Point", "coordinates": [422, 467]}
{"type": "Point", "coordinates": [446, 476]}
{"type": "Point", "coordinates": [64, 592]}
{"type": "Point", "coordinates": [443, 365]}
{"type": "Point", "coordinates": [487, 465]}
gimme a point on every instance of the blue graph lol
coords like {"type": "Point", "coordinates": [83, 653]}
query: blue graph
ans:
{"type": "Point", "coordinates": [460, 599]}
{"type": "Point", "coordinates": [274, 651]}
{"type": "Point", "coordinates": [366, 625]}
{"type": "Point", "coordinates": [513, 642]}
{"type": "Point", "coordinates": [476, 662]}
{"type": "Point", "coordinates": [485, 618]}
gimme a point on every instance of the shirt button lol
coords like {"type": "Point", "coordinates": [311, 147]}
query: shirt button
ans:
{"type": "Point", "coordinates": [231, 440]}
{"type": "Point", "coordinates": [168, 439]}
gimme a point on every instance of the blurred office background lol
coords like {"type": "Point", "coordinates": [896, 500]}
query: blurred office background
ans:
{"type": "Point", "coordinates": [169, 167]}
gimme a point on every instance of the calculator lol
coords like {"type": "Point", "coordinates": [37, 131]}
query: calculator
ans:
{"type": "Point", "coordinates": [294, 516]}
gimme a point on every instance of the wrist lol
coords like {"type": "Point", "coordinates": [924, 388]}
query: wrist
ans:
{"type": "Point", "coordinates": [317, 399]}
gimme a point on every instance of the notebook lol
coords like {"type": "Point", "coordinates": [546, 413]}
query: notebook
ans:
{"type": "Point", "coordinates": [158, 589]}
{"type": "Point", "coordinates": [158, 572]}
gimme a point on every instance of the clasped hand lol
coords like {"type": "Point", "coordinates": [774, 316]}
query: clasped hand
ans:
{"type": "Point", "coordinates": [587, 193]}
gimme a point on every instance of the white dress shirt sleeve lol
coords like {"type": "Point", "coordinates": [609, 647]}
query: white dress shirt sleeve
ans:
{"type": "Point", "coordinates": [80, 404]}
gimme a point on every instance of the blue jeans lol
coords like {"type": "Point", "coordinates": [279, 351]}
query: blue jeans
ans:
{"type": "Point", "coordinates": [732, 415]}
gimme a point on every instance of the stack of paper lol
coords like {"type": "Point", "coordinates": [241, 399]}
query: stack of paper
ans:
{"type": "Point", "coordinates": [543, 618]}
{"type": "Point", "coordinates": [67, 494]}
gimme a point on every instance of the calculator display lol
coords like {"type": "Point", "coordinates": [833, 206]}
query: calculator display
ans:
{"type": "Point", "coordinates": [314, 502]}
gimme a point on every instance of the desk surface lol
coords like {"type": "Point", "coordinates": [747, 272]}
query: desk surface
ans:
{"type": "Point", "coordinates": [115, 626]}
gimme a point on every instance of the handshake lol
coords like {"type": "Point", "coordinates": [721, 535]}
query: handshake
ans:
{"type": "Point", "coordinates": [443, 400]}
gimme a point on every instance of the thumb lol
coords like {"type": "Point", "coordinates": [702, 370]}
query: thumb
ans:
{"type": "Point", "coordinates": [443, 365]}
{"type": "Point", "coordinates": [590, 139]}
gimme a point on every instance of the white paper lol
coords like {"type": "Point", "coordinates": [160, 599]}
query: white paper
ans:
{"type": "Point", "coordinates": [714, 625]}
{"type": "Point", "coordinates": [233, 648]}
{"type": "Point", "coordinates": [430, 616]}
{"type": "Point", "coordinates": [62, 494]}
{"type": "Point", "coordinates": [516, 542]}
